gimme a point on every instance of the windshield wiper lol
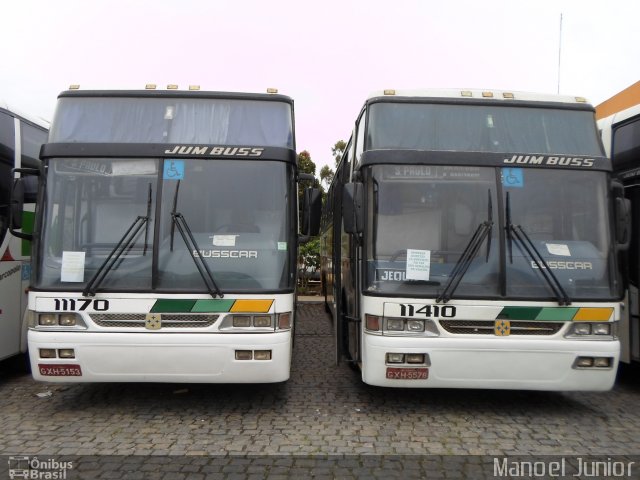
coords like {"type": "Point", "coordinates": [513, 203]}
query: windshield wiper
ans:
{"type": "Point", "coordinates": [126, 242]}
{"type": "Point", "coordinates": [179, 221]}
{"type": "Point", "coordinates": [517, 232]}
{"type": "Point", "coordinates": [469, 253]}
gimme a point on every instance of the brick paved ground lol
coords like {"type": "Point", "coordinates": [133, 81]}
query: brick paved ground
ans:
{"type": "Point", "coordinates": [301, 427]}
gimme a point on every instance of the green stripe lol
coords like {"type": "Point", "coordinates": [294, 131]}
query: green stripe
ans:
{"type": "Point", "coordinates": [557, 314]}
{"type": "Point", "coordinates": [519, 313]}
{"type": "Point", "coordinates": [166, 305]}
{"type": "Point", "coordinates": [27, 227]}
{"type": "Point", "coordinates": [205, 306]}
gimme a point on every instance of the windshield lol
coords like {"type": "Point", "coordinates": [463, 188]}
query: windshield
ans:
{"type": "Point", "coordinates": [422, 218]}
{"type": "Point", "coordinates": [240, 214]}
{"type": "Point", "coordinates": [173, 120]}
{"type": "Point", "coordinates": [565, 214]}
{"type": "Point", "coordinates": [482, 128]}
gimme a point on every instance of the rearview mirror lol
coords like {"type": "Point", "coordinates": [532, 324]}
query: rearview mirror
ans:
{"type": "Point", "coordinates": [352, 207]}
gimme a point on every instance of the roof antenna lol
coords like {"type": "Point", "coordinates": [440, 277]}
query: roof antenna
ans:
{"type": "Point", "coordinates": [559, 53]}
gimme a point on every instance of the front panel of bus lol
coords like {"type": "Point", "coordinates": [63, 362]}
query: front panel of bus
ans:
{"type": "Point", "coordinates": [488, 253]}
{"type": "Point", "coordinates": [175, 266]}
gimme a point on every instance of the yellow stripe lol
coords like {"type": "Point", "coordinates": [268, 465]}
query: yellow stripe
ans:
{"type": "Point", "coordinates": [252, 306]}
{"type": "Point", "coordinates": [593, 315]}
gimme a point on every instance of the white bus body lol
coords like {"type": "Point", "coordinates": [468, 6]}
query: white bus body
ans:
{"type": "Point", "coordinates": [20, 139]}
{"type": "Point", "coordinates": [621, 139]}
{"type": "Point", "coordinates": [169, 239]}
{"type": "Point", "coordinates": [468, 242]}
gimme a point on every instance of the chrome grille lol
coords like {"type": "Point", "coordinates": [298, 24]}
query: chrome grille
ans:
{"type": "Point", "coordinates": [486, 327]}
{"type": "Point", "coordinates": [169, 320]}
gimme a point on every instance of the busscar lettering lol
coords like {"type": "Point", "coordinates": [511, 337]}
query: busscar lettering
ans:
{"type": "Point", "coordinates": [226, 253]}
{"type": "Point", "coordinates": [550, 160]}
{"type": "Point", "coordinates": [215, 151]}
{"type": "Point", "coordinates": [565, 265]}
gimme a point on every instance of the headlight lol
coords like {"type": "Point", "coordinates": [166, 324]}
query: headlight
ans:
{"type": "Point", "coordinates": [415, 325]}
{"type": "Point", "coordinates": [241, 321]}
{"type": "Point", "coordinates": [602, 329]}
{"type": "Point", "coordinates": [395, 324]}
{"type": "Point", "coordinates": [582, 329]}
{"type": "Point", "coordinates": [262, 321]}
{"type": "Point", "coordinates": [68, 319]}
{"type": "Point", "coordinates": [48, 319]}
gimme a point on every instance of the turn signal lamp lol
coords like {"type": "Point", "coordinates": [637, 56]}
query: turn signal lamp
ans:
{"type": "Point", "coordinates": [372, 322]}
{"type": "Point", "coordinates": [284, 321]}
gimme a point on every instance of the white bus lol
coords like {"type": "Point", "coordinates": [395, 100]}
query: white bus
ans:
{"type": "Point", "coordinates": [468, 242]}
{"type": "Point", "coordinates": [621, 139]}
{"type": "Point", "coordinates": [21, 137]}
{"type": "Point", "coordinates": [167, 239]}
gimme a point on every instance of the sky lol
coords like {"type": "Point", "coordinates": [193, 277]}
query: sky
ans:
{"type": "Point", "coordinates": [327, 55]}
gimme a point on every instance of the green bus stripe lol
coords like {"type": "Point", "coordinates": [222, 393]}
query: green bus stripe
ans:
{"type": "Point", "coordinates": [167, 305]}
{"type": "Point", "coordinates": [28, 219]}
{"type": "Point", "coordinates": [519, 313]}
{"type": "Point", "coordinates": [206, 306]}
{"type": "Point", "coordinates": [557, 314]}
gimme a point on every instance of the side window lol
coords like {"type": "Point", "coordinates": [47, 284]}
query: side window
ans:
{"type": "Point", "coordinates": [360, 128]}
{"type": "Point", "coordinates": [31, 139]}
{"type": "Point", "coordinates": [626, 144]}
{"type": "Point", "coordinates": [6, 164]}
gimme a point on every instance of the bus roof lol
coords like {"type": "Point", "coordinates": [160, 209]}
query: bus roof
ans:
{"type": "Point", "coordinates": [39, 121]}
{"type": "Point", "coordinates": [176, 94]}
{"type": "Point", "coordinates": [466, 94]}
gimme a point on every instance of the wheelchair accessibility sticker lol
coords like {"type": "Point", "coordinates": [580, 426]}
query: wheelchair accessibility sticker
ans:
{"type": "Point", "coordinates": [173, 169]}
{"type": "Point", "coordinates": [512, 177]}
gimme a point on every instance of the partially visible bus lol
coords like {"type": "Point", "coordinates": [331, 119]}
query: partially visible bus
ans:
{"type": "Point", "coordinates": [21, 137]}
{"type": "Point", "coordinates": [470, 239]}
{"type": "Point", "coordinates": [621, 138]}
{"type": "Point", "coordinates": [168, 234]}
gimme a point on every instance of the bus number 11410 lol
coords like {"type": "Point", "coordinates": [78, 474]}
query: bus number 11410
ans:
{"type": "Point", "coordinates": [446, 311]}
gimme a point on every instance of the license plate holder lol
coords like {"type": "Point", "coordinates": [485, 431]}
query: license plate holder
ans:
{"type": "Point", "coordinates": [396, 373]}
{"type": "Point", "coordinates": [60, 370]}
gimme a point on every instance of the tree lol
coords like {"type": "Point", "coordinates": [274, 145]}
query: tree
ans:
{"type": "Point", "coordinates": [326, 175]}
{"type": "Point", "coordinates": [308, 261]}
{"type": "Point", "coordinates": [338, 150]}
{"type": "Point", "coordinates": [306, 165]}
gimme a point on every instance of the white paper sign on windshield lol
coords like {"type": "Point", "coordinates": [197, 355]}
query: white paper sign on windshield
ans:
{"type": "Point", "coordinates": [418, 264]}
{"type": "Point", "coordinates": [72, 267]}
{"type": "Point", "coordinates": [560, 249]}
